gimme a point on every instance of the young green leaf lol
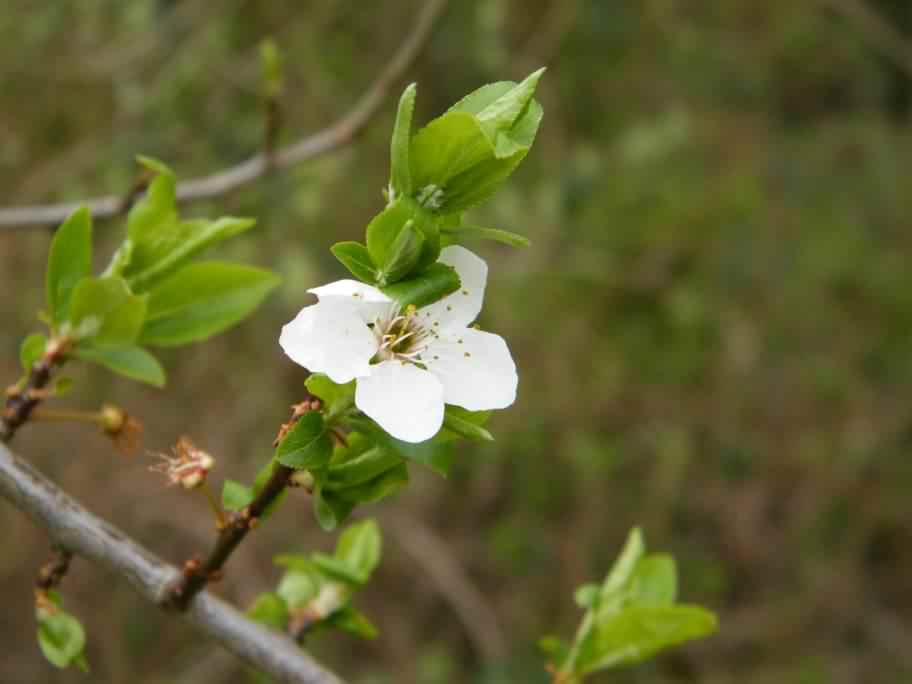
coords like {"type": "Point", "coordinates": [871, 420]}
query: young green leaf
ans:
{"type": "Point", "coordinates": [270, 610]}
{"type": "Point", "coordinates": [384, 228]}
{"type": "Point", "coordinates": [359, 547]}
{"type": "Point", "coordinates": [436, 453]}
{"type": "Point", "coordinates": [61, 638]}
{"type": "Point", "coordinates": [69, 261]}
{"type": "Point", "coordinates": [381, 487]}
{"type": "Point", "coordinates": [337, 399]}
{"type": "Point", "coordinates": [160, 250]}
{"type": "Point", "coordinates": [354, 622]}
{"type": "Point", "coordinates": [467, 424]}
{"type": "Point", "coordinates": [298, 587]}
{"type": "Point", "coordinates": [131, 362]}
{"type": "Point", "coordinates": [429, 286]}
{"type": "Point", "coordinates": [655, 581]}
{"type": "Point", "coordinates": [306, 446]}
{"type": "Point", "coordinates": [105, 311]}
{"type": "Point", "coordinates": [451, 235]}
{"type": "Point", "coordinates": [640, 632]}
{"type": "Point", "coordinates": [156, 208]}
{"type": "Point", "coordinates": [202, 300]}
{"type": "Point", "coordinates": [235, 495]}
{"type": "Point", "coordinates": [330, 509]}
{"type": "Point", "coordinates": [31, 350]}
{"type": "Point", "coordinates": [361, 469]}
{"type": "Point", "coordinates": [355, 257]}
{"type": "Point", "coordinates": [400, 174]}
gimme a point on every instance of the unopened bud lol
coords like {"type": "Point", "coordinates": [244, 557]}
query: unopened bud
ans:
{"type": "Point", "coordinates": [302, 478]}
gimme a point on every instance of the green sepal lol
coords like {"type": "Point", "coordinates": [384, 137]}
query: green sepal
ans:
{"type": "Point", "coordinates": [299, 586]}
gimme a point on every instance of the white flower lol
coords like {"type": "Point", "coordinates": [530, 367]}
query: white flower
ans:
{"type": "Point", "coordinates": [407, 363]}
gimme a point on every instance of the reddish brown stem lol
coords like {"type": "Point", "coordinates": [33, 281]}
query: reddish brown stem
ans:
{"type": "Point", "coordinates": [52, 573]}
{"type": "Point", "coordinates": [21, 402]}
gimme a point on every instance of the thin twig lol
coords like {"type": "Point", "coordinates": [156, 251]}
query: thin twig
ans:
{"type": "Point", "coordinates": [52, 573]}
{"type": "Point", "coordinates": [221, 183]}
{"type": "Point", "coordinates": [197, 573]}
{"type": "Point", "coordinates": [877, 32]}
{"type": "Point", "coordinates": [20, 402]}
{"type": "Point", "coordinates": [75, 528]}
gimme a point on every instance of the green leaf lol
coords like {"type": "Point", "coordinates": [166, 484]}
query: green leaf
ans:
{"type": "Point", "coordinates": [447, 148]}
{"type": "Point", "coordinates": [337, 399]}
{"type": "Point", "coordinates": [466, 423]}
{"type": "Point", "coordinates": [105, 311]}
{"type": "Point", "coordinates": [131, 362]}
{"type": "Point", "coordinates": [271, 69]}
{"type": "Point", "coordinates": [298, 588]}
{"type": "Point", "coordinates": [352, 621]}
{"type": "Point", "coordinates": [306, 446]}
{"type": "Point", "coordinates": [235, 495]}
{"type": "Point", "coordinates": [403, 254]}
{"type": "Point", "coordinates": [156, 207]}
{"type": "Point", "coordinates": [162, 249]}
{"type": "Point", "coordinates": [359, 547]}
{"type": "Point", "coordinates": [202, 300]}
{"type": "Point", "coordinates": [31, 350]}
{"type": "Point", "coordinates": [640, 632]}
{"type": "Point", "coordinates": [554, 649]}
{"type": "Point", "coordinates": [655, 581]}
{"type": "Point", "coordinates": [433, 453]}
{"type": "Point", "coordinates": [355, 257]}
{"type": "Point", "coordinates": [587, 595]}
{"type": "Point", "coordinates": [625, 565]}
{"type": "Point", "coordinates": [330, 509]}
{"type": "Point", "coordinates": [383, 230]}
{"type": "Point", "coordinates": [61, 637]}
{"type": "Point", "coordinates": [69, 261]}
{"type": "Point", "coordinates": [381, 487]}
{"type": "Point", "coordinates": [269, 609]}
{"type": "Point", "coordinates": [400, 173]}
{"type": "Point", "coordinates": [457, 234]}
{"type": "Point", "coordinates": [507, 113]}
{"type": "Point", "coordinates": [337, 569]}
{"type": "Point", "coordinates": [363, 468]}
{"type": "Point", "coordinates": [429, 286]}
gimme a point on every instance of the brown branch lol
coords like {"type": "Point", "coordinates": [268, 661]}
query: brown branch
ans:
{"type": "Point", "coordinates": [21, 401]}
{"type": "Point", "coordinates": [52, 573]}
{"type": "Point", "coordinates": [337, 135]}
{"type": "Point", "coordinates": [197, 573]}
{"type": "Point", "coordinates": [73, 527]}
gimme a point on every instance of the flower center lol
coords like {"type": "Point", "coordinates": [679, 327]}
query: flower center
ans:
{"type": "Point", "coordinates": [401, 336]}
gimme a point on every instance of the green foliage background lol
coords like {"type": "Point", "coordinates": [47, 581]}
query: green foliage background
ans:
{"type": "Point", "coordinates": [713, 324]}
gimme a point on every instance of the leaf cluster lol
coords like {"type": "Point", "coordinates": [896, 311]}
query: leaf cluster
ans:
{"type": "Point", "coordinates": [630, 617]}
{"type": "Point", "coordinates": [154, 293]}
{"type": "Point", "coordinates": [316, 591]}
{"type": "Point", "coordinates": [454, 163]}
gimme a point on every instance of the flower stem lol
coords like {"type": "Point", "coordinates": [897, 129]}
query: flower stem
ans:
{"type": "Point", "coordinates": [65, 415]}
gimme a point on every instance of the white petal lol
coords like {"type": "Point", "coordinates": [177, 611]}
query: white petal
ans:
{"type": "Point", "coordinates": [463, 306]}
{"type": "Point", "coordinates": [369, 301]}
{"type": "Point", "coordinates": [330, 338]}
{"type": "Point", "coordinates": [476, 369]}
{"type": "Point", "coordinates": [403, 399]}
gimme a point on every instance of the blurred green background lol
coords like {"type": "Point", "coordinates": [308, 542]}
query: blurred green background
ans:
{"type": "Point", "coordinates": [713, 324]}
